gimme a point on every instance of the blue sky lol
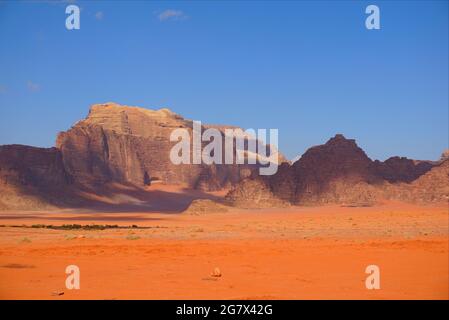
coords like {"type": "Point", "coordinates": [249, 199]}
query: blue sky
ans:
{"type": "Point", "coordinates": [310, 69]}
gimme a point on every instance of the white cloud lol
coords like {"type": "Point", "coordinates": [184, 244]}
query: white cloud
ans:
{"type": "Point", "coordinates": [171, 14]}
{"type": "Point", "coordinates": [33, 87]}
{"type": "Point", "coordinates": [56, 2]}
{"type": "Point", "coordinates": [99, 15]}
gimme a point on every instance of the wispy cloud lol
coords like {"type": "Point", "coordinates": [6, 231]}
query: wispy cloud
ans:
{"type": "Point", "coordinates": [33, 87]}
{"type": "Point", "coordinates": [55, 2]}
{"type": "Point", "coordinates": [171, 14]}
{"type": "Point", "coordinates": [99, 15]}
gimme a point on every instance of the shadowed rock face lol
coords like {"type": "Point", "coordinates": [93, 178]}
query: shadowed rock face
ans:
{"type": "Point", "coordinates": [433, 186]}
{"type": "Point", "coordinates": [284, 183]}
{"type": "Point", "coordinates": [31, 178]}
{"type": "Point", "coordinates": [29, 166]}
{"type": "Point", "coordinates": [340, 172]}
{"type": "Point", "coordinates": [323, 171]}
{"type": "Point", "coordinates": [400, 169]}
{"type": "Point", "coordinates": [336, 172]}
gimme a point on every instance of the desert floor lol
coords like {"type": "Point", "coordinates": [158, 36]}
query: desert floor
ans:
{"type": "Point", "coordinates": [294, 253]}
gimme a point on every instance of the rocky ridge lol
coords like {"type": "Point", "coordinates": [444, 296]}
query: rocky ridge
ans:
{"type": "Point", "coordinates": [339, 172]}
{"type": "Point", "coordinates": [126, 145]}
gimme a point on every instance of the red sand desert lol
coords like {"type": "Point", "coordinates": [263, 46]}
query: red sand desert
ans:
{"type": "Point", "coordinates": [292, 253]}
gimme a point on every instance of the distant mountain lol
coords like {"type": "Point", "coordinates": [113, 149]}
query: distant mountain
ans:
{"type": "Point", "coordinates": [130, 146]}
{"type": "Point", "coordinates": [340, 172]}
{"type": "Point", "coordinates": [113, 144]}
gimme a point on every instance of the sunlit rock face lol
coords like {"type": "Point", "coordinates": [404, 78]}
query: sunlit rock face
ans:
{"type": "Point", "coordinates": [131, 144]}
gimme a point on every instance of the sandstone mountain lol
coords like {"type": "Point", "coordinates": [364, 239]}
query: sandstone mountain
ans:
{"type": "Point", "coordinates": [113, 144]}
{"type": "Point", "coordinates": [131, 144]}
{"type": "Point", "coordinates": [324, 172]}
{"type": "Point", "coordinates": [433, 186]}
{"type": "Point", "coordinates": [129, 147]}
{"type": "Point", "coordinates": [123, 144]}
{"type": "Point", "coordinates": [340, 172]}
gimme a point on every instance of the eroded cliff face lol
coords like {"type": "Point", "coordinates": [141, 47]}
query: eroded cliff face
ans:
{"type": "Point", "coordinates": [129, 144]}
{"type": "Point", "coordinates": [122, 144]}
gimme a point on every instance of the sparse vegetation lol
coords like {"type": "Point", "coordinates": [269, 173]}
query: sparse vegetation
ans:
{"type": "Point", "coordinates": [17, 266]}
{"type": "Point", "coordinates": [79, 227]}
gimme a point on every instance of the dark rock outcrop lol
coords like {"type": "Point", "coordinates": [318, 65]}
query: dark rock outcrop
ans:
{"type": "Point", "coordinates": [400, 169]}
{"type": "Point", "coordinates": [339, 172]}
{"type": "Point", "coordinates": [324, 172]}
{"type": "Point", "coordinates": [431, 187]}
{"type": "Point", "coordinates": [32, 178]}
{"type": "Point", "coordinates": [31, 166]}
{"type": "Point", "coordinates": [131, 146]}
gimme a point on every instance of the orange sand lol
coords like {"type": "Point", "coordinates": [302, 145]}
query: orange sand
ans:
{"type": "Point", "coordinates": [295, 253]}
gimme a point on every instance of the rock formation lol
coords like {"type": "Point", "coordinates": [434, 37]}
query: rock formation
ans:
{"type": "Point", "coordinates": [339, 172]}
{"type": "Point", "coordinates": [254, 193]}
{"type": "Point", "coordinates": [130, 146]}
{"type": "Point", "coordinates": [123, 144]}
{"type": "Point", "coordinates": [113, 144]}
{"type": "Point", "coordinates": [31, 178]}
{"type": "Point", "coordinates": [400, 169]}
{"type": "Point", "coordinates": [444, 155]}
{"type": "Point", "coordinates": [433, 186]}
{"type": "Point", "coordinates": [205, 206]}
{"type": "Point", "coordinates": [324, 172]}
